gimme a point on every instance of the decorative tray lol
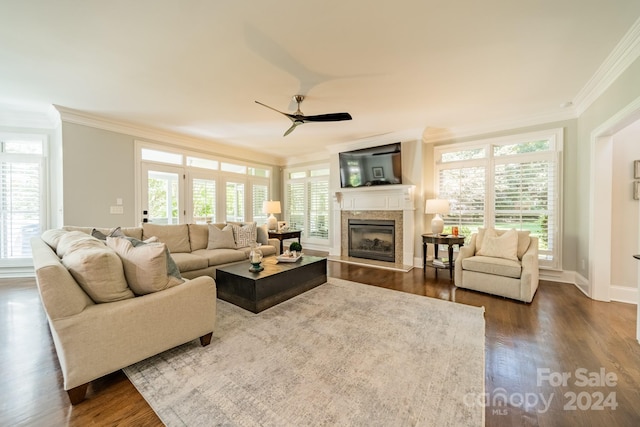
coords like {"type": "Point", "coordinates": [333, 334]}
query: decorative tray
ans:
{"type": "Point", "coordinates": [283, 258]}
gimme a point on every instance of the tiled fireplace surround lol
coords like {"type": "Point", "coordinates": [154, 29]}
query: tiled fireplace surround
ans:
{"type": "Point", "coordinates": [394, 202]}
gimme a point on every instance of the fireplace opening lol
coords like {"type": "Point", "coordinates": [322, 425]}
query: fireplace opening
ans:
{"type": "Point", "coordinates": [372, 239]}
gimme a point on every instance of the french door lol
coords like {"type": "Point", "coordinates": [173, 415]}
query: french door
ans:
{"type": "Point", "coordinates": [162, 194]}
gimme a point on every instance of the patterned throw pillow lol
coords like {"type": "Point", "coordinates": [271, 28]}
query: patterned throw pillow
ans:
{"type": "Point", "coordinates": [244, 235]}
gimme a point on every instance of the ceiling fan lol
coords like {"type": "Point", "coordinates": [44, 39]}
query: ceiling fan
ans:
{"type": "Point", "coordinates": [298, 118]}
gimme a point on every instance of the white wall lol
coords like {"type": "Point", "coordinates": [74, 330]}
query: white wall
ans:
{"type": "Point", "coordinates": [625, 227]}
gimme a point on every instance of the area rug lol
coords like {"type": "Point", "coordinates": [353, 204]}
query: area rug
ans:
{"type": "Point", "coordinates": [343, 353]}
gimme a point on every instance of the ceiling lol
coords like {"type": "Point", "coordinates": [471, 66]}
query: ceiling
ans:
{"type": "Point", "coordinates": [402, 69]}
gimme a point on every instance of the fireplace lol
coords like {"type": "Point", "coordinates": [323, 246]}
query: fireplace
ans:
{"type": "Point", "coordinates": [372, 239]}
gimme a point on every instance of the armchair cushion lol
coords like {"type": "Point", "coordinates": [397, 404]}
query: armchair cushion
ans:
{"type": "Point", "coordinates": [494, 266]}
{"type": "Point", "coordinates": [500, 246]}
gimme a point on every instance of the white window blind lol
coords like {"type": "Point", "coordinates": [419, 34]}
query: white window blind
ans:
{"type": "Point", "coordinates": [234, 202]}
{"type": "Point", "coordinates": [464, 187]}
{"type": "Point", "coordinates": [509, 182]}
{"type": "Point", "coordinates": [204, 200]}
{"type": "Point", "coordinates": [296, 205]}
{"type": "Point", "coordinates": [318, 199]}
{"type": "Point", "coordinates": [260, 194]}
{"type": "Point", "coordinates": [22, 197]}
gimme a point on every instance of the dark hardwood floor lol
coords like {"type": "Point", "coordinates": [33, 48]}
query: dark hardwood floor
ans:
{"type": "Point", "coordinates": [528, 348]}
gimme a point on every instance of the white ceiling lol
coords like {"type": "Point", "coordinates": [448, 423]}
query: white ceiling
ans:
{"type": "Point", "coordinates": [400, 68]}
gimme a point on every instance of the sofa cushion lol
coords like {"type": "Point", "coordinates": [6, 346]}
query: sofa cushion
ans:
{"type": "Point", "coordinates": [191, 261]}
{"type": "Point", "coordinates": [499, 246]}
{"type": "Point", "coordinates": [73, 240]}
{"type": "Point", "coordinates": [245, 234]}
{"type": "Point", "coordinates": [494, 266]}
{"type": "Point", "coordinates": [145, 265]}
{"type": "Point", "coordinates": [198, 236]}
{"type": "Point", "coordinates": [52, 237]}
{"type": "Point", "coordinates": [175, 236]}
{"type": "Point", "coordinates": [99, 272]}
{"type": "Point", "coordinates": [220, 256]}
{"type": "Point", "coordinates": [221, 239]}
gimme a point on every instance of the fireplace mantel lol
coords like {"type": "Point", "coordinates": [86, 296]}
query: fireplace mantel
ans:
{"type": "Point", "coordinates": [384, 201]}
{"type": "Point", "coordinates": [376, 198]}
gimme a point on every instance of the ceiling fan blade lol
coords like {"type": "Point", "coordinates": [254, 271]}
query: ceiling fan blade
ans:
{"type": "Point", "coordinates": [293, 126]}
{"type": "Point", "coordinates": [331, 117]}
{"type": "Point", "coordinates": [277, 111]}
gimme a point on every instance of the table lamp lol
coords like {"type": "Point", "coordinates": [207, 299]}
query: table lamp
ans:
{"type": "Point", "coordinates": [271, 207]}
{"type": "Point", "coordinates": [437, 207]}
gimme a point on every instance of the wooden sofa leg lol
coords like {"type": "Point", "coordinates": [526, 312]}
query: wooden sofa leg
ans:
{"type": "Point", "coordinates": [205, 340]}
{"type": "Point", "coordinates": [77, 394]}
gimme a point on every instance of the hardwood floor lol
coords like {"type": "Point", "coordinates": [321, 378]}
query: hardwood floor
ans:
{"type": "Point", "coordinates": [528, 347]}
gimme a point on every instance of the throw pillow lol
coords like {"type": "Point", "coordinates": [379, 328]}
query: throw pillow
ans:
{"type": "Point", "coordinates": [146, 265]}
{"type": "Point", "coordinates": [99, 272]}
{"type": "Point", "coordinates": [116, 232]}
{"type": "Point", "coordinates": [73, 240]}
{"type": "Point", "coordinates": [245, 234]}
{"type": "Point", "coordinates": [52, 237]}
{"type": "Point", "coordinates": [503, 246]}
{"type": "Point", "coordinates": [221, 239]}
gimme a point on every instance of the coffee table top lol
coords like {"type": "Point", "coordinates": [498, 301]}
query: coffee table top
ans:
{"type": "Point", "coordinates": [271, 267]}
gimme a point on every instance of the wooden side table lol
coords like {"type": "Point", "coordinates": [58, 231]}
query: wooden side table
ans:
{"type": "Point", "coordinates": [439, 239]}
{"type": "Point", "coordinates": [281, 235]}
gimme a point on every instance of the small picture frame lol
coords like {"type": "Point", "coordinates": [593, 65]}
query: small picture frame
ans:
{"type": "Point", "coordinates": [636, 169]}
{"type": "Point", "coordinates": [378, 172]}
{"type": "Point", "coordinates": [283, 226]}
{"type": "Point", "coordinates": [636, 190]}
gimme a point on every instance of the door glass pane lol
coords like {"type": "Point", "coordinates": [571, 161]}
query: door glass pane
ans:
{"type": "Point", "coordinates": [234, 202]}
{"type": "Point", "coordinates": [20, 207]}
{"type": "Point", "coordinates": [163, 197]}
{"type": "Point", "coordinates": [260, 194]}
{"type": "Point", "coordinates": [204, 201]}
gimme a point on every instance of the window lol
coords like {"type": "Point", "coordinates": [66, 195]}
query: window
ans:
{"type": "Point", "coordinates": [177, 186]}
{"type": "Point", "coordinates": [308, 203]}
{"type": "Point", "coordinates": [22, 196]}
{"type": "Point", "coordinates": [511, 182]}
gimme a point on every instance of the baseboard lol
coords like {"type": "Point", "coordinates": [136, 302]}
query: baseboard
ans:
{"type": "Point", "coordinates": [11, 272]}
{"type": "Point", "coordinates": [624, 294]}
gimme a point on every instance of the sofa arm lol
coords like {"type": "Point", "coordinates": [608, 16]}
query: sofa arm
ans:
{"type": "Point", "coordinates": [464, 252]}
{"type": "Point", "coordinates": [106, 337]}
{"type": "Point", "coordinates": [530, 272]}
{"type": "Point", "coordinates": [275, 243]}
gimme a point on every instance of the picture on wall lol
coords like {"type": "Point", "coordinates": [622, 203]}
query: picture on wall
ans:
{"type": "Point", "coordinates": [378, 172]}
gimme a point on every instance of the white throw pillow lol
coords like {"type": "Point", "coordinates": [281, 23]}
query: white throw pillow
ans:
{"type": "Point", "coordinates": [145, 266]}
{"type": "Point", "coordinates": [245, 234]}
{"type": "Point", "coordinates": [503, 246]}
{"type": "Point", "coordinates": [221, 239]}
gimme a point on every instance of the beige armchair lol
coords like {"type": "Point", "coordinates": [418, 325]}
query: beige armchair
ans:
{"type": "Point", "coordinates": [496, 269]}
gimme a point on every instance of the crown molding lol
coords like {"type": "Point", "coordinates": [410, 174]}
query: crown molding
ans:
{"type": "Point", "coordinates": [432, 135]}
{"type": "Point", "coordinates": [144, 132]}
{"type": "Point", "coordinates": [622, 56]}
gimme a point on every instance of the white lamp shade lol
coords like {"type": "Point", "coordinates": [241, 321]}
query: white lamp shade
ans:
{"type": "Point", "coordinates": [436, 206]}
{"type": "Point", "coordinates": [271, 207]}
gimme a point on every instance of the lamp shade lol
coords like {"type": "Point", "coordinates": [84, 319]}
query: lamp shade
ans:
{"type": "Point", "coordinates": [271, 207]}
{"type": "Point", "coordinates": [436, 206]}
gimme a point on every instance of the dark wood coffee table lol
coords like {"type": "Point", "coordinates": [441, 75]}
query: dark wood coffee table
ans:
{"type": "Point", "coordinates": [276, 283]}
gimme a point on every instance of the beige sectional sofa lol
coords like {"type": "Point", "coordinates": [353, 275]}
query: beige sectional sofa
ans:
{"type": "Point", "coordinates": [107, 309]}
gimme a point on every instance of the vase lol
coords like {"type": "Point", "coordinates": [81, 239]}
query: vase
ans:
{"type": "Point", "coordinates": [255, 258]}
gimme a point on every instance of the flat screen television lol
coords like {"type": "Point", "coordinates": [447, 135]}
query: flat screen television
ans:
{"type": "Point", "coordinates": [380, 165]}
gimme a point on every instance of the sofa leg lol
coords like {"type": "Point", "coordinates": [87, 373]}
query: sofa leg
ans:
{"type": "Point", "coordinates": [205, 340]}
{"type": "Point", "coordinates": [77, 394]}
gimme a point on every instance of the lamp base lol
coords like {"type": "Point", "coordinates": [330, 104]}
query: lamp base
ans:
{"type": "Point", "coordinates": [437, 224]}
{"type": "Point", "coordinates": [272, 223]}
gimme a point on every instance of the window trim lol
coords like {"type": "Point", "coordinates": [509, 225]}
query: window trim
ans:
{"type": "Point", "coordinates": [556, 138]}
